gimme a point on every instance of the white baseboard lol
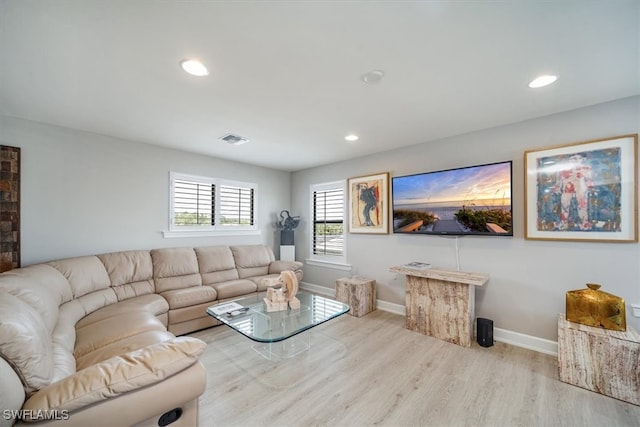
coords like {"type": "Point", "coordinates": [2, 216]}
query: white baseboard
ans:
{"type": "Point", "coordinates": [540, 345]}
{"type": "Point", "coordinates": [391, 307]}
{"type": "Point", "coordinates": [322, 290]}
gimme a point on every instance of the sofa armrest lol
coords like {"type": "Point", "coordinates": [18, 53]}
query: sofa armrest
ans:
{"type": "Point", "coordinates": [118, 375]}
{"type": "Point", "coordinates": [277, 267]}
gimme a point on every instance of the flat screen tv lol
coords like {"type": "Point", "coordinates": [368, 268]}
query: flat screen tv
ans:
{"type": "Point", "coordinates": [474, 200]}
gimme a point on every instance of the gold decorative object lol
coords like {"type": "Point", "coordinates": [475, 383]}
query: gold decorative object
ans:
{"type": "Point", "coordinates": [593, 307]}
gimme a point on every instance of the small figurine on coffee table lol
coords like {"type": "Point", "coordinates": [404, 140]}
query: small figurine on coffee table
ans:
{"type": "Point", "coordinates": [279, 299]}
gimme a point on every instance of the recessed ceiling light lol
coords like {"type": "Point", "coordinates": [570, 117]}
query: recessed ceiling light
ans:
{"type": "Point", "coordinates": [351, 137]}
{"type": "Point", "coordinates": [542, 81]}
{"type": "Point", "coordinates": [373, 77]}
{"type": "Point", "coordinates": [194, 67]}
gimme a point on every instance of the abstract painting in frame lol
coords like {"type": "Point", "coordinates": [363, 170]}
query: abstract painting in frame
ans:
{"type": "Point", "coordinates": [583, 192]}
{"type": "Point", "coordinates": [369, 204]}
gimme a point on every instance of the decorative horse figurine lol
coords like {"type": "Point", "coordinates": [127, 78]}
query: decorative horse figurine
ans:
{"type": "Point", "coordinates": [279, 299]}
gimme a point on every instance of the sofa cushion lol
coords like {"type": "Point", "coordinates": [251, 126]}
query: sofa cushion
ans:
{"type": "Point", "coordinates": [179, 298]}
{"type": "Point", "coordinates": [64, 364]}
{"type": "Point", "coordinates": [175, 268]}
{"type": "Point", "coordinates": [106, 331]}
{"type": "Point", "coordinates": [153, 303]}
{"type": "Point", "coordinates": [63, 339]}
{"type": "Point", "coordinates": [216, 264]}
{"type": "Point", "coordinates": [130, 272]}
{"type": "Point", "coordinates": [25, 342]}
{"type": "Point", "coordinates": [118, 375]}
{"type": "Point", "coordinates": [95, 301]}
{"type": "Point", "coordinates": [278, 267]}
{"type": "Point", "coordinates": [12, 394]}
{"type": "Point", "coordinates": [234, 288]}
{"type": "Point", "coordinates": [122, 346]}
{"type": "Point", "coordinates": [42, 299]}
{"type": "Point", "coordinates": [187, 314]}
{"type": "Point", "coordinates": [74, 314]}
{"type": "Point", "coordinates": [85, 274]}
{"type": "Point", "coordinates": [258, 280]}
{"type": "Point", "coordinates": [46, 276]}
{"type": "Point", "coordinates": [252, 260]}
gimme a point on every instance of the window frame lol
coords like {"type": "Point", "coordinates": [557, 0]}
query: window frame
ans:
{"type": "Point", "coordinates": [218, 228]}
{"type": "Point", "coordinates": [334, 261]}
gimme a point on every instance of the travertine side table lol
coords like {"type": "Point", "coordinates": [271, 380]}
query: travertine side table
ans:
{"type": "Point", "coordinates": [600, 360]}
{"type": "Point", "coordinates": [359, 293]}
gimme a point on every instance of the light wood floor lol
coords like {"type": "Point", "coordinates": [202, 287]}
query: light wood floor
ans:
{"type": "Point", "coordinates": [371, 371]}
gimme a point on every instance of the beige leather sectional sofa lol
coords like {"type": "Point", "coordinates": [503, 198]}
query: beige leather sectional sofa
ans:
{"type": "Point", "coordinates": [93, 340]}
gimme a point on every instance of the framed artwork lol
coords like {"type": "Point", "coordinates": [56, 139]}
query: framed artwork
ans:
{"type": "Point", "coordinates": [583, 192]}
{"type": "Point", "coordinates": [369, 204]}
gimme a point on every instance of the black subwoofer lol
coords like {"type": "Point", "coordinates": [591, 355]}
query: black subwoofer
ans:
{"type": "Point", "coordinates": [170, 417]}
{"type": "Point", "coordinates": [484, 332]}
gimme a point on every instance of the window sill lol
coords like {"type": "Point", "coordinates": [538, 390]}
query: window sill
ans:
{"type": "Point", "coordinates": [327, 264]}
{"type": "Point", "coordinates": [208, 233]}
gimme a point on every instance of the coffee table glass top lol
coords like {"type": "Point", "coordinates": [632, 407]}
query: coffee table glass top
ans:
{"type": "Point", "coordinates": [249, 316]}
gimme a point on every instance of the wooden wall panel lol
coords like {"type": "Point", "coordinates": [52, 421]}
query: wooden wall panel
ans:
{"type": "Point", "coordinates": [9, 207]}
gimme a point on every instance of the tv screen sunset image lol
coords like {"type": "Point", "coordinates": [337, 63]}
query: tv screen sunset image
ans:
{"type": "Point", "coordinates": [472, 200]}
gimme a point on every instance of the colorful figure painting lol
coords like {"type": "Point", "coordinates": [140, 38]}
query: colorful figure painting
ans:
{"type": "Point", "coordinates": [584, 191]}
{"type": "Point", "coordinates": [580, 192]}
{"type": "Point", "coordinates": [368, 204]}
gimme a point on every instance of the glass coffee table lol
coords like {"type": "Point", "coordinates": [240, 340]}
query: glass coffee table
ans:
{"type": "Point", "coordinates": [278, 334]}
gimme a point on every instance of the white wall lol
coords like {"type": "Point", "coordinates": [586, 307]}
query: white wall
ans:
{"type": "Point", "coordinates": [84, 193]}
{"type": "Point", "coordinates": [529, 278]}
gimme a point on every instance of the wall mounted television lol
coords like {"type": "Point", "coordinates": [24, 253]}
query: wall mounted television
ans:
{"type": "Point", "coordinates": [473, 200]}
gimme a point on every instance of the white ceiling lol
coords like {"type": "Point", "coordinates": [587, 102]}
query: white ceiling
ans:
{"type": "Point", "coordinates": [287, 74]}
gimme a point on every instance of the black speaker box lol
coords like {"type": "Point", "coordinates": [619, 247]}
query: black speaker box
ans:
{"type": "Point", "coordinates": [484, 332]}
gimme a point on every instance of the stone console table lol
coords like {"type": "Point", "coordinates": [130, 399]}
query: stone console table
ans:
{"type": "Point", "coordinates": [600, 360]}
{"type": "Point", "coordinates": [441, 303]}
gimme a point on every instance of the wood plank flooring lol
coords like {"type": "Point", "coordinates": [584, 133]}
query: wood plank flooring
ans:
{"type": "Point", "coordinates": [372, 371]}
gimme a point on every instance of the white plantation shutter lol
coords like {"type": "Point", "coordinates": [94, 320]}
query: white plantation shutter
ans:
{"type": "Point", "coordinates": [206, 204]}
{"type": "Point", "coordinates": [193, 203]}
{"type": "Point", "coordinates": [328, 219]}
{"type": "Point", "coordinates": [236, 205]}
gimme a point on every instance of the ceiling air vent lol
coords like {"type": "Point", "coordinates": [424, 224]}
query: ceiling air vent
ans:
{"type": "Point", "coordinates": [233, 139]}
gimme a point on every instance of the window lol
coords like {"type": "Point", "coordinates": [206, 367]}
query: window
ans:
{"type": "Point", "coordinates": [193, 203]}
{"type": "Point", "coordinates": [236, 205]}
{"type": "Point", "coordinates": [327, 211]}
{"type": "Point", "coordinates": [203, 204]}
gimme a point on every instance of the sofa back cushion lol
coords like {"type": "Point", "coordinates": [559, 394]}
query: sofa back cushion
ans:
{"type": "Point", "coordinates": [40, 286]}
{"type": "Point", "coordinates": [85, 274]}
{"type": "Point", "coordinates": [25, 342]}
{"type": "Point", "coordinates": [89, 281]}
{"type": "Point", "coordinates": [216, 264]}
{"type": "Point", "coordinates": [252, 260]}
{"type": "Point", "coordinates": [130, 272]}
{"type": "Point", "coordinates": [175, 268]}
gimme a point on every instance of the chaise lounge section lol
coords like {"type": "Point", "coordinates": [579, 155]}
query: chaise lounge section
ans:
{"type": "Point", "coordinates": [95, 340]}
